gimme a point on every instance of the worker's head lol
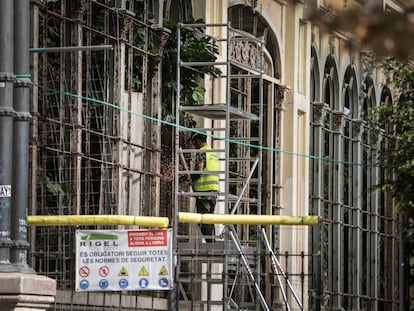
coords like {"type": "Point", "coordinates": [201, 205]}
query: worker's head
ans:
{"type": "Point", "coordinates": [198, 139]}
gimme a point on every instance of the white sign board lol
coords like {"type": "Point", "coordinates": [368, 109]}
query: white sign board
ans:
{"type": "Point", "coordinates": [122, 260]}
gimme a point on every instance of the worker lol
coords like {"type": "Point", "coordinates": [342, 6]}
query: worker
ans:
{"type": "Point", "coordinates": [206, 162]}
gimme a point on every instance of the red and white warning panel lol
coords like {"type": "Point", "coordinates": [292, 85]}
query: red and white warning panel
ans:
{"type": "Point", "coordinates": [120, 260]}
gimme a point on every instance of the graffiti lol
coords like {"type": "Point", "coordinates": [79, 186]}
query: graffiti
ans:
{"type": "Point", "coordinates": [4, 205]}
{"type": "Point", "coordinates": [4, 233]}
{"type": "Point", "coordinates": [22, 225]}
{"type": "Point", "coordinates": [22, 257]}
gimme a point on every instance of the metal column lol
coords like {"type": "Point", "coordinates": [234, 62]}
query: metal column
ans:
{"type": "Point", "coordinates": [7, 112]}
{"type": "Point", "coordinates": [21, 132]}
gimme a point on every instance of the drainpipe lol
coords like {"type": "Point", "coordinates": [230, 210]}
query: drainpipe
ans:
{"type": "Point", "coordinates": [20, 199]}
{"type": "Point", "coordinates": [7, 112]}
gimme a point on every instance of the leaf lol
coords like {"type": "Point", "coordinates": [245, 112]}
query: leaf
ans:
{"type": "Point", "coordinates": [198, 94]}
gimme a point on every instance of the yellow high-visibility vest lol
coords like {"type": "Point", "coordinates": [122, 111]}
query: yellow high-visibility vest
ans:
{"type": "Point", "coordinates": [208, 182]}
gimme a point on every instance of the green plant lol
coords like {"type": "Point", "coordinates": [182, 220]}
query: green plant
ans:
{"type": "Point", "coordinates": [195, 46]}
{"type": "Point", "coordinates": [397, 118]}
{"type": "Point", "coordinates": [397, 155]}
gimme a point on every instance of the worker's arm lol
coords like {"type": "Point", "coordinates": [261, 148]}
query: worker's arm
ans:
{"type": "Point", "coordinates": [198, 166]}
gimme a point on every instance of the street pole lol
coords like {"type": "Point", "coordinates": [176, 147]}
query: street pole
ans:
{"type": "Point", "coordinates": [7, 113]}
{"type": "Point", "coordinates": [21, 130]}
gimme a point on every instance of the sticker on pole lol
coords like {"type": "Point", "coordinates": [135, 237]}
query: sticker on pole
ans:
{"type": "Point", "coordinates": [5, 191]}
{"type": "Point", "coordinates": [119, 260]}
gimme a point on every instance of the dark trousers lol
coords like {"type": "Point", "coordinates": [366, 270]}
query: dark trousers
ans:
{"type": "Point", "coordinates": [206, 205]}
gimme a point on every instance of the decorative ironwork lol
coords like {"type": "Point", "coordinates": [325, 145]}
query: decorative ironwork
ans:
{"type": "Point", "coordinates": [246, 53]}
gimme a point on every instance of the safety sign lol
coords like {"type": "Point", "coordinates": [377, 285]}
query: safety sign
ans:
{"type": "Point", "coordinates": [121, 260]}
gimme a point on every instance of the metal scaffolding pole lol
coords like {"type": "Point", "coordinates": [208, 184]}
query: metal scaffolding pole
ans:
{"type": "Point", "coordinates": [277, 268]}
{"type": "Point", "coordinates": [71, 48]}
{"type": "Point", "coordinates": [174, 293]}
{"type": "Point", "coordinates": [7, 112]}
{"type": "Point", "coordinates": [249, 270]}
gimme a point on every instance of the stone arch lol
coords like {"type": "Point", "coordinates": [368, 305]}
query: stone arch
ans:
{"type": "Point", "coordinates": [178, 10]}
{"type": "Point", "coordinates": [315, 77]}
{"type": "Point", "coordinates": [246, 19]}
{"type": "Point", "coordinates": [386, 96]}
{"type": "Point", "coordinates": [350, 93]}
{"type": "Point", "coordinates": [330, 83]}
{"type": "Point", "coordinates": [368, 95]}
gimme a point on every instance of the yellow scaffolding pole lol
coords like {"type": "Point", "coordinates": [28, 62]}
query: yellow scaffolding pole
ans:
{"type": "Point", "coordinates": [94, 220]}
{"type": "Point", "coordinates": [162, 222]}
{"type": "Point", "coordinates": [227, 219]}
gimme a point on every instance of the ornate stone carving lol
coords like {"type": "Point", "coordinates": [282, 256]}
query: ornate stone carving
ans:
{"type": "Point", "coordinates": [319, 113]}
{"type": "Point", "coordinates": [376, 138]}
{"type": "Point", "coordinates": [332, 44]}
{"type": "Point", "coordinates": [356, 129]}
{"type": "Point", "coordinates": [338, 121]}
{"type": "Point", "coordinates": [281, 96]}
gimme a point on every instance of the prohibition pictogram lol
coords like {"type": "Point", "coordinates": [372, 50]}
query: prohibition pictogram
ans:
{"type": "Point", "coordinates": [103, 271]}
{"type": "Point", "coordinates": [84, 272]}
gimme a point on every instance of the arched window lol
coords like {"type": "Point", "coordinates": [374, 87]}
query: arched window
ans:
{"type": "Point", "coordinates": [245, 95]}
{"type": "Point", "coordinates": [314, 77]}
{"type": "Point", "coordinates": [244, 18]}
{"type": "Point", "coordinates": [386, 221]}
{"type": "Point", "coordinates": [327, 127]}
{"type": "Point", "coordinates": [330, 84]}
{"type": "Point", "coordinates": [350, 153]}
{"type": "Point", "coordinates": [178, 9]}
{"type": "Point", "coordinates": [369, 203]}
{"type": "Point", "coordinates": [350, 110]}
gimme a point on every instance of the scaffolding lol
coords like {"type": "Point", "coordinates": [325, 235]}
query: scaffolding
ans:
{"type": "Point", "coordinates": [224, 275]}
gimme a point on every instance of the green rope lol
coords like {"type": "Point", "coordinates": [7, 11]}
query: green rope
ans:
{"type": "Point", "coordinates": [324, 159]}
